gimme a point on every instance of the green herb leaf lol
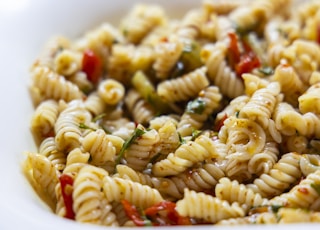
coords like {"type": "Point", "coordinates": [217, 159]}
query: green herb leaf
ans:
{"type": "Point", "coordinates": [181, 140]}
{"type": "Point", "coordinates": [99, 117]}
{"type": "Point", "coordinates": [196, 106]}
{"type": "Point", "coordinates": [266, 70]}
{"type": "Point", "coordinates": [84, 126]}
{"type": "Point", "coordinates": [137, 133]}
{"type": "Point", "coordinates": [195, 133]}
{"type": "Point", "coordinates": [275, 208]}
{"type": "Point", "coordinates": [316, 187]}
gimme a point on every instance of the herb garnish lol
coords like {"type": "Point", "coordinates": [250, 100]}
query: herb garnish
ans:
{"type": "Point", "coordinates": [137, 133]}
{"type": "Point", "coordinates": [84, 126]}
{"type": "Point", "coordinates": [196, 106]}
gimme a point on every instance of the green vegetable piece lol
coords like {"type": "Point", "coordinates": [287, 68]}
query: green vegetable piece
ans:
{"type": "Point", "coordinates": [266, 70]}
{"type": "Point", "coordinates": [196, 106]}
{"type": "Point", "coordinates": [190, 56]}
{"type": "Point", "coordinates": [146, 89]}
{"type": "Point", "coordinates": [316, 187]}
{"type": "Point", "coordinates": [195, 133]}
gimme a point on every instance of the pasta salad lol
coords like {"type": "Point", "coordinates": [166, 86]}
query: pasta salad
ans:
{"type": "Point", "coordinates": [212, 118]}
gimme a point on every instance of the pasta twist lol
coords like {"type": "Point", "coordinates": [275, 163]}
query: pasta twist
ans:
{"type": "Point", "coordinates": [283, 174]}
{"type": "Point", "coordinates": [232, 191]}
{"type": "Point", "coordinates": [302, 195]}
{"type": "Point", "coordinates": [99, 146]}
{"type": "Point", "coordinates": [309, 163]}
{"type": "Point", "coordinates": [43, 120]}
{"type": "Point", "coordinates": [169, 138]}
{"type": "Point", "coordinates": [288, 121]}
{"type": "Point", "coordinates": [49, 149]}
{"type": "Point", "coordinates": [261, 105]}
{"type": "Point", "coordinates": [117, 189]}
{"type": "Point", "coordinates": [290, 83]}
{"type": "Point", "coordinates": [210, 99]}
{"type": "Point", "coordinates": [50, 50]}
{"type": "Point", "coordinates": [141, 111]}
{"type": "Point", "coordinates": [53, 86]}
{"type": "Point", "coordinates": [209, 208]}
{"type": "Point", "coordinates": [99, 40]}
{"type": "Point", "coordinates": [185, 156]}
{"type": "Point", "coordinates": [219, 73]}
{"type": "Point", "coordinates": [185, 87]}
{"type": "Point", "coordinates": [87, 197]}
{"type": "Point", "coordinates": [67, 62]}
{"type": "Point", "coordinates": [140, 21]}
{"type": "Point", "coordinates": [142, 150]}
{"type": "Point", "coordinates": [309, 101]}
{"type": "Point", "coordinates": [95, 104]}
{"type": "Point", "coordinates": [263, 162]}
{"type": "Point", "coordinates": [111, 91]}
{"type": "Point", "coordinates": [167, 53]}
{"type": "Point", "coordinates": [67, 127]}
{"type": "Point", "coordinates": [43, 175]}
{"type": "Point", "coordinates": [243, 135]}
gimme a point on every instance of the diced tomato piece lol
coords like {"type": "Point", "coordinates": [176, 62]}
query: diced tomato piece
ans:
{"type": "Point", "coordinates": [66, 182]}
{"type": "Point", "coordinates": [92, 66]}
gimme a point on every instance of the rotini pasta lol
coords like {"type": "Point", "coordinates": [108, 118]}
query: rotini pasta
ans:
{"type": "Point", "coordinates": [211, 118]}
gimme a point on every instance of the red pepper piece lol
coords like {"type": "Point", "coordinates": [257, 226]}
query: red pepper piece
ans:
{"type": "Point", "coordinates": [233, 50]}
{"type": "Point", "coordinates": [92, 66]}
{"type": "Point", "coordinates": [219, 123]}
{"type": "Point", "coordinates": [173, 216]}
{"type": "Point", "coordinates": [318, 34]}
{"type": "Point", "coordinates": [66, 182]}
{"type": "Point", "coordinates": [248, 62]}
{"type": "Point", "coordinates": [132, 213]}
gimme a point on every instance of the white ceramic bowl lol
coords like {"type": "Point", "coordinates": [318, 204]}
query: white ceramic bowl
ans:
{"type": "Point", "coordinates": [25, 26]}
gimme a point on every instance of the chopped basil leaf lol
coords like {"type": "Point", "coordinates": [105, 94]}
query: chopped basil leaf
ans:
{"type": "Point", "coordinates": [195, 134]}
{"type": "Point", "coordinates": [84, 126]}
{"type": "Point", "coordinates": [316, 187]}
{"type": "Point", "coordinates": [275, 208]}
{"type": "Point", "coordinates": [137, 133]}
{"type": "Point", "coordinates": [267, 70]}
{"type": "Point", "coordinates": [99, 117]}
{"type": "Point", "coordinates": [196, 106]}
{"type": "Point", "coordinates": [181, 140]}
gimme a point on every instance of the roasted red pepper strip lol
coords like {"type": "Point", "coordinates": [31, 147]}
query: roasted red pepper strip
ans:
{"type": "Point", "coordinates": [233, 50]}
{"type": "Point", "coordinates": [219, 123]}
{"type": "Point", "coordinates": [318, 34]}
{"type": "Point", "coordinates": [66, 182]}
{"type": "Point", "coordinates": [92, 66]}
{"type": "Point", "coordinates": [173, 216]}
{"type": "Point", "coordinates": [132, 213]}
{"type": "Point", "coordinates": [241, 62]}
{"type": "Point", "coordinates": [248, 62]}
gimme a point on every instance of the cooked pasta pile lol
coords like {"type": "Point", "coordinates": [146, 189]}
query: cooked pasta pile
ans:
{"type": "Point", "coordinates": [213, 118]}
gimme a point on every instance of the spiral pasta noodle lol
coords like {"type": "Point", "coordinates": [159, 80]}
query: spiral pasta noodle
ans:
{"type": "Point", "coordinates": [211, 118]}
